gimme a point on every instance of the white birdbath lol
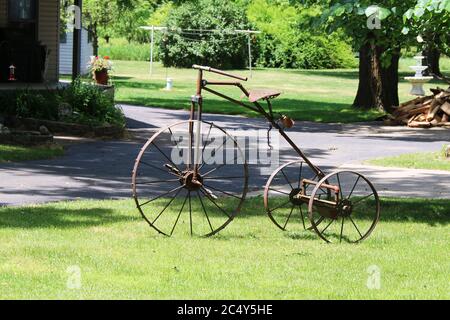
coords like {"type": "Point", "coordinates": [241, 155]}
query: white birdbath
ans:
{"type": "Point", "coordinates": [418, 80]}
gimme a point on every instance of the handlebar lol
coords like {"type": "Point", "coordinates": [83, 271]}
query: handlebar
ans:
{"type": "Point", "coordinates": [223, 73]}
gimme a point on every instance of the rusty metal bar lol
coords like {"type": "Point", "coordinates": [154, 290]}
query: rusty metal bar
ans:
{"type": "Point", "coordinates": [324, 185]}
{"type": "Point", "coordinates": [230, 99]}
{"type": "Point", "coordinates": [223, 73]}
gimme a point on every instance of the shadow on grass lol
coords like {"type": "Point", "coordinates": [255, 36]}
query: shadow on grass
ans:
{"type": "Point", "coordinates": [432, 212]}
{"type": "Point", "coordinates": [53, 217]}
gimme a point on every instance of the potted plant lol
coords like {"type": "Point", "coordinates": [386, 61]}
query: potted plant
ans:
{"type": "Point", "coordinates": [100, 68]}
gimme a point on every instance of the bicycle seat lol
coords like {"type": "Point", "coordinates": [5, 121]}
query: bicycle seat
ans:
{"type": "Point", "coordinates": [262, 94]}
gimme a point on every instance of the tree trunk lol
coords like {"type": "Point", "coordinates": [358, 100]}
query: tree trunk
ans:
{"type": "Point", "coordinates": [432, 58]}
{"type": "Point", "coordinates": [95, 39]}
{"type": "Point", "coordinates": [378, 85]}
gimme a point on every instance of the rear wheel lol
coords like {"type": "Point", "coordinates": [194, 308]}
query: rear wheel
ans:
{"type": "Point", "coordinates": [285, 210]}
{"type": "Point", "coordinates": [354, 216]}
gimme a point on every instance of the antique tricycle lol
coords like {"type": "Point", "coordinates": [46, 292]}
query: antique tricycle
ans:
{"type": "Point", "coordinates": [174, 173]}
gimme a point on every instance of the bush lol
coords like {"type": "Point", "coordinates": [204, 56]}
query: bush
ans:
{"type": "Point", "coordinates": [287, 41]}
{"type": "Point", "coordinates": [89, 104]}
{"type": "Point", "coordinates": [223, 49]}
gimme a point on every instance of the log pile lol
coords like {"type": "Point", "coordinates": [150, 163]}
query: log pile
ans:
{"type": "Point", "coordinates": [424, 112]}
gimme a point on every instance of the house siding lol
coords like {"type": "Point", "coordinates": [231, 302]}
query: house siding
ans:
{"type": "Point", "coordinates": [66, 53]}
{"type": "Point", "coordinates": [49, 35]}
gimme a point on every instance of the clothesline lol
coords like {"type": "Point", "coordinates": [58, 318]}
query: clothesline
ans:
{"type": "Point", "coordinates": [201, 32]}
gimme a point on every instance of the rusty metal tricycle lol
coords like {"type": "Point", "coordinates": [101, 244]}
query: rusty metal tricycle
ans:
{"type": "Point", "coordinates": [174, 174]}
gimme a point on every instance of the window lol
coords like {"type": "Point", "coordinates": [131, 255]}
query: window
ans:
{"type": "Point", "coordinates": [22, 10]}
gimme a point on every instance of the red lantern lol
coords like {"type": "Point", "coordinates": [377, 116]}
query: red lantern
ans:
{"type": "Point", "coordinates": [12, 71]}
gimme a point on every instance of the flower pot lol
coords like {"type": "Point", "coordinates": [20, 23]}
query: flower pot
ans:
{"type": "Point", "coordinates": [101, 77]}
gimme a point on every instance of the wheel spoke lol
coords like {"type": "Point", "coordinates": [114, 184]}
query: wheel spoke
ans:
{"type": "Point", "coordinates": [217, 168]}
{"type": "Point", "coordinates": [179, 214]}
{"type": "Point", "coordinates": [342, 229]}
{"type": "Point", "coordinates": [224, 192]}
{"type": "Point", "coordinates": [207, 137]}
{"type": "Point", "coordinates": [204, 210]}
{"type": "Point", "coordinates": [303, 217]}
{"type": "Point", "coordinates": [162, 195]}
{"type": "Point", "coordinates": [353, 189]}
{"type": "Point", "coordinates": [300, 175]}
{"type": "Point", "coordinates": [280, 206]}
{"type": "Point", "coordinates": [160, 181]}
{"type": "Point", "coordinates": [223, 144]}
{"type": "Point", "coordinates": [362, 199]}
{"type": "Point", "coordinates": [354, 224]}
{"type": "Point", "coordinates": [282, 192]}
{"type": "Point", "coordinates": [327, 226]}
{"type": "Point", "coordinates": [286, 178]}
{"type": "Point", "coordinates": [155, 167]}
{"type": "Point", "coordinates": [289, 217]}
{"type": "Point", "coordinates": [173, 140]}
{"type": "Point", "coordinates": [167, 205]}
{"type": "Point", "coordinates": [212, 200]}
{"type": "Point", "coordinates": [190, 211]}
{"type": "Point", "coordinates": [165, 156]}
{"type": "Point", "coordinates": [340, 187]}
{"type": "Point", "coordinates": [223, 178]}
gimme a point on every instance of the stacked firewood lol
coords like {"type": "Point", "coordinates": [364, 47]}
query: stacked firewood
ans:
{"type": "Point", "coordinates": [425, 112]}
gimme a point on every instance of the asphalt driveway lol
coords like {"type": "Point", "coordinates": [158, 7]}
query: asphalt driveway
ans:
{"type": "Point", "coordinates": [102, 169]}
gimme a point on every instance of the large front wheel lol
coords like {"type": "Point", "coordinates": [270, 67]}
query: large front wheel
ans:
{"type": "Point", "coordinates": [191, 176]}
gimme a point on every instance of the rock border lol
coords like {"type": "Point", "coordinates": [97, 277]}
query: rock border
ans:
{"type": "Point", "coordinates": [74, 129]}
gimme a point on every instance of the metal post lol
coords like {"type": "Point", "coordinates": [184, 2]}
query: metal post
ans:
{"type": "Point", "coordinates": [76, 53]}
{"type": "Point", "coordinates": [250, 53]}
{"type": "Point", "coordinates": [152, 41]}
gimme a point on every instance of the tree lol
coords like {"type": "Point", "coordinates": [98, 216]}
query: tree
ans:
{"type": "Point", "coordinates": [102, 15]}
{"type": "Point", "coordinates": [376, 31]}
{"type": "Point", "coordinates": [218, 45]}
{"type": "Point", "coordinates": [430, 19]}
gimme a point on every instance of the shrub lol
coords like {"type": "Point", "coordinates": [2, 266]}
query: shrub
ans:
{"type": "Point", "coordinates": [90, 105]}
{"type": "Point", "coordinates": [222, 49]}
{"type": "Point", "coordinates": [287, 41]}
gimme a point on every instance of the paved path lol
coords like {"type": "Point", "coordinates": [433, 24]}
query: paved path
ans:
{"type": "Point", "coordinates": [101, 170]}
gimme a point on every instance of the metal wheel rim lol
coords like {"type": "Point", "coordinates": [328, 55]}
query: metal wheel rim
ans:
{"type": "Point", "coordinates": [149, 143]}
{"type": "Point", "coordinates": [376, 198]}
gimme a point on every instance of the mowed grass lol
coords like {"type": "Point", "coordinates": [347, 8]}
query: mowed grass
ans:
{"type": "Point", "coordinates": [121, 257]}
{"type": "Point", "coordinates": [421, 160]}
{"type": "Point", "coordinates": [17, 153]}
{"type": "Point", "coordinates": [309, 95]}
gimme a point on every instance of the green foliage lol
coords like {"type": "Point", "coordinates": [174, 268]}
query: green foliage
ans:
{"type": "Point", "coordinates": [28, 103]}
{"type": "Point", "coordinates": [121, 49]}
{"type": "Point", "coordinates": [287, 40]}
{"type": "Point", "coordinates": [89, 104]}
{"type": "Point", "coordinates": [431, 20]}
{"type": "Point", "coordinates": [222, 49]}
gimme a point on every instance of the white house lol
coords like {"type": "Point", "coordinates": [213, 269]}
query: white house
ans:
{"type": "Point", "coordinates": [66, 49]}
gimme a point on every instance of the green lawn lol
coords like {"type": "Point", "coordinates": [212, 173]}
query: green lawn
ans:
{"type": "Point", "coordinates": [16, 153]}
{"type": "Point", "coordinates": [121, 257]}
{"type": "Point", "coordinates": [312, 95]}
{"type": "Point", "coordinates": [422, 160]}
